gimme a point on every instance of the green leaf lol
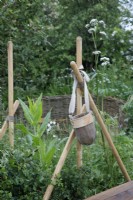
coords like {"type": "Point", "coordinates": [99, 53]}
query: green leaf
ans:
{"type": "Point", "coordinates": [50, 152]}
{"type": "Point", "coordinates": [42, 152]}
{"type": "Point", "coordinates": [36, 140]}
{"type": "Point", "coordinates": [44, 124]}
{"type": "Point", "coordinates": [36, 109]}
{"type": "Point", "coordinates": [22, 128]}
{"type": "Point", "coordinates": [26, 111]}
{"type": "Point", "coordinates": [31, 107]}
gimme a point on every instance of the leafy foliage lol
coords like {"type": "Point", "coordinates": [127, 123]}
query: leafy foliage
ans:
{"type": "Point", "coordinates": [128, 110]}
{"type": "Point", "coordinates": [23, 177]}
{"type": "Point", "coordinates": [44, 41]}
{"type": "Point", "coordinates": [35, 131]}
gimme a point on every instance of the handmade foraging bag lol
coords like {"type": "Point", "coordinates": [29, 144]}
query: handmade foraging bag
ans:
{"type": "Point", "coordinates": [83, 123]}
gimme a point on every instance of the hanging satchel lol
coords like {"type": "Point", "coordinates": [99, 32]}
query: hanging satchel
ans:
{"type": "Point", "coordinates": [83, 123]}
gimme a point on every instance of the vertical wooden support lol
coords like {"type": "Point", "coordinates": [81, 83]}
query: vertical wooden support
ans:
{"type": "Point", "coordinates": [10, 93]}
{"type": "Point", "coordinates": [79, 96]}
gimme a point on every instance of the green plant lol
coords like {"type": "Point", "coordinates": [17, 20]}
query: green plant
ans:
{"type": "Point", "coordinates": [35, 130]}
{"type": "Point", "coordinates": [22, 176]}
{"type": "Point", "coordinates": [99, 172]}
{"type": "Point", "coordinates": [128, 110]}
{"type": "Point", "coordinates": [60, 84]}
{"type": "Point", "coordinates": [95, 28]}
{"type": "Point", "coordinates": [111, 77]}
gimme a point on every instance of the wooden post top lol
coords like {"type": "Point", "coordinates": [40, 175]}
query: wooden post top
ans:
{"type": "Point", "coordinates": [76, 71]}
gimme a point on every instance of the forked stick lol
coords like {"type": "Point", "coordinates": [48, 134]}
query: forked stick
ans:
{"type": "Point", "coordinates": [101, 123]}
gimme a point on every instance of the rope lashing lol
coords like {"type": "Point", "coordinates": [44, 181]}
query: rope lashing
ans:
{"type": "Point", "coordinates": [10, 118]}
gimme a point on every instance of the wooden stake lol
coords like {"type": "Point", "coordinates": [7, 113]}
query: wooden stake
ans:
{"type": "Point", "coordinates": [60, 163]}
{"type": "Point", "coordinates": [79, 96]}
{"type": "Point", "coordinates": [102, 125]}
{"type": "Point", "coordinates": [5, 124]}
{"type": "Point", "coordinates": [10, 93]}
{"type": "Point", "coordinates": [59, 166]}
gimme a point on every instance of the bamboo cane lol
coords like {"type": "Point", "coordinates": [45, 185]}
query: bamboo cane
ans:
{"type": "Point", "coordinates": [10, 93]}
{"type": "Point", "coordinates": [102, 125]}
{"type": "Point", "coordinates": [79, 96]}
{"type": "Point", "coordinates": [5, 124]}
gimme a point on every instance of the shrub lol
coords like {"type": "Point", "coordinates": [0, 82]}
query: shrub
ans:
{"type": "Point", "coordinates": [22, 176]}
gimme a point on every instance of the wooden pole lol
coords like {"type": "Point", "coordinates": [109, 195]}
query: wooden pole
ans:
{"type": "Point", "coordinates": [5, 124]}
{"type": "Point", "coordinates": [10, 93]}
{"type": "Point", "coordinates": [79, 96]}
{"type": "Point", "coordinates": [59, 166]}
{"type": "Point", "coordinates": [102, 125]}
{"type": "Point", "coordinates": [60, 163]}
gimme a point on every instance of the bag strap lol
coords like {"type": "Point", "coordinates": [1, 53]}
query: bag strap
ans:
{"type": "Point", "coordinates": [72, 104]}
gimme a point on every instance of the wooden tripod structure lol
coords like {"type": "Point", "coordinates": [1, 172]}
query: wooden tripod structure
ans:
{"type": "Point", "coordinates": [75, 66]}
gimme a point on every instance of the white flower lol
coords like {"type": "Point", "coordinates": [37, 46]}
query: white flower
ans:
{"type": "Point", "coordinates": [122, 41]}
{"type": "Point", "coordinates": [93, 22]}
{"type": "Point", "coordinates": [104, 59]}
{"type": "Point", "coordinates": [103, 33]}
{"type": "Point", "coordinates": [49, 129]}
{"type": "Point", "coordinates": [87, 26]}
{"type": "Point", "coordinates": [54, 136]}
{"type": "Point", "coordinates": [105, 63]}
{"type": "Point", "coordinates": [114, 33]}
{"type": "Point", "coordinates": [102, 23]}
{"type": "Point", "coordinates": [96, 52]}
{"type": "Point", "coordinates": [91, 30]}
